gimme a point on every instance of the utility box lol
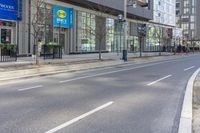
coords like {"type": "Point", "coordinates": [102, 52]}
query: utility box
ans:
{"type": "Point", "coordinates": [124, 56]}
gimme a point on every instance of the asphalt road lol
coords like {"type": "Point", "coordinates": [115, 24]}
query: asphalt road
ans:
{"type": "Point", "coordinates": [129, 98]}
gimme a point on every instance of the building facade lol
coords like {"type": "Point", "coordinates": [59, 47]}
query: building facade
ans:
{"type": "Point", "coordinates": [162, 26]}
{"type": "Point", "coordinates": [164, 12]}
{"type": "Point", "coordinates": [95, 23]}
{"type": "Point", "coordinates": [187, 16]}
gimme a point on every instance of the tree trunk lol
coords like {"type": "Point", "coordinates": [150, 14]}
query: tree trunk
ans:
{"type": "Point", "coordinates": [37, 53]}
{"type": "Point", "coordinates": [159, 46]}
{"type": "Point", "coordinates": [100, 58]}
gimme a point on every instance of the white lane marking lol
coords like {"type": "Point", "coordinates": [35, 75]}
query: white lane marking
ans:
{"type": "Point", "coordinates": [64, 125]}
{"type": "Point", "coordinates": [186, 69]}
{"type": "Point", "coordinates": [154, 82]}
{"type": "Point", "coordinates": [111, 72]}
{"type": "Point", "coordinates": [29, 88]}
{"type": "Point", "coordinates": [132, 63]}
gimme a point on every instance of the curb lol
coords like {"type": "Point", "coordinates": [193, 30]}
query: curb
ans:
{"type": "Point", "coordinates": [79, 69]}
{"type": "Point", "coordinates": [5, 79]}
{"type": "Point", "coordinates": [55, 72]}
{"type": "Point", "coordinates": [185, 125]}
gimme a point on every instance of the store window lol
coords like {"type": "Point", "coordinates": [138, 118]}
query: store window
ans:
{"type": "Point", "coordinates": [154, 35]}
{"type": "Point", "coordinates": [110, 29]}
{"type": "Point", "coordinates": [6, 36]}
{"type": "Point", "coordinates": [7, 32]}
{"type": "Point", "coordinates": [87, 32]}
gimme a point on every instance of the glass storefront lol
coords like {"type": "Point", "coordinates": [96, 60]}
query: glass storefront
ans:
{"type": "Point", "coordinates": [88, 26]}
{"type": "Point", "coordinates": [84, 38]}
{"type": "Point", "coordinates": [133, 44]}
{"type": "Point", "coordinates": [154, 37]}
{"type": "Point", "coordinates": [110, 32]}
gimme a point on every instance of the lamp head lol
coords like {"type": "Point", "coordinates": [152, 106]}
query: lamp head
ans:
{"type": "Point", "coordinates": [120, 17]}
{"type": "Point", "coordinates": [134, 4]}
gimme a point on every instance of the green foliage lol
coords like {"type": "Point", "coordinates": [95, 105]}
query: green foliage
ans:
{"type": "Point", "coordinates": [8, 46]}
{"type": "Point", "coordinates": [52, 45]}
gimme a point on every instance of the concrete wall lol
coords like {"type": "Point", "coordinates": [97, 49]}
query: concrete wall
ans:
{"type": "Point", "coordinates": [119, 5]}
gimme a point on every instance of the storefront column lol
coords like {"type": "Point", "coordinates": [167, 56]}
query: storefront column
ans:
{"type": "Point", "coordinates": [100, 33]}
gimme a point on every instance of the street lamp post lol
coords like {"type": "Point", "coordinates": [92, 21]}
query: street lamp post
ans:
{"type": "Point", "coordinates": [125, 47]}
{"type": "Point", "coordinates": [18, 17]}
{"type": "Point", "coordinates": [59, 31]}
{"type": "Point", "coordinates": [119, 25]}
{"type": "Point", "coordinates": [124, 54]}
{"type": "Point", "coordinates": [176, 36]}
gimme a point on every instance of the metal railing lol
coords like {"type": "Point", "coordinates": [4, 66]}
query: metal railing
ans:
{"type": "Point", "coordinates": [51, 52]}
{"type": "Point", "coordinates": [8, 54]}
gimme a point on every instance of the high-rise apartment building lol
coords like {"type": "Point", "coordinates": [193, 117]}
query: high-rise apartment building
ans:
{"type": "Point", "coordinates": [164, 12]}
{"type": "Point", "coordinates": [163, 24]}
{"type": "Point", "coordinates": [188, 18]}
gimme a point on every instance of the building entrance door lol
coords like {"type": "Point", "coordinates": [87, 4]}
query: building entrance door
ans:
{"type": "Point", "coordinates": [6, 35]}
{"type": "Point", "coordinates": [60, 39]}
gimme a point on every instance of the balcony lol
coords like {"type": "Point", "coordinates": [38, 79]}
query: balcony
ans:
{"type": "Point", "coordinates": [143, 3]}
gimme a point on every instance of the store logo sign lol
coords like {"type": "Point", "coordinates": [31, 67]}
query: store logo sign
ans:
{"type": "Point", "coordinates": [63, 17]}
{"type": "Point", "coordinates": [10, 9]}
{"type": "Point", "coordinates": [61, 14]}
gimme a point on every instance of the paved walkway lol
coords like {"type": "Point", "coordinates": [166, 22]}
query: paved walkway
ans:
{"type": "Point", "coordinates": [25, 67]}
{"type": "Point", "coordinates": [74, 58]}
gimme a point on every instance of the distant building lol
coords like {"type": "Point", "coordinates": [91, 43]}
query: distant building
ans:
{"type": "Point", "coordinates": [164, 12]}
{"type": "Point", "coordinates": [163, 24]}
{"type": "Point", "coordinates": [188, 18]}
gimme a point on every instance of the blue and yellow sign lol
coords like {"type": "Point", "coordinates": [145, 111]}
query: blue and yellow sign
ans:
{"type": "Point", "coordinates": [63, 17]}
{"type": "Point", "coordinates": [10, 9]}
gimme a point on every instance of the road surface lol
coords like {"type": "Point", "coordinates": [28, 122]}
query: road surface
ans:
{"type": "Point", "coordinates": [128, 98]}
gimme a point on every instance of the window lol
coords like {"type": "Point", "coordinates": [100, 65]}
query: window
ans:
{"type": "Point", "coordinates": [177, 12]}
{"type": "Point", "coordinates": [177, 5]}
{"type": "Point", "coordinates": [109, 33]}
{"type": "Point", "coordinates": [88, 26]}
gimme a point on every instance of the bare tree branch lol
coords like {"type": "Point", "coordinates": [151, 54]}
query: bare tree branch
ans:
{"type": "Point", "coordinates": [100, 31]}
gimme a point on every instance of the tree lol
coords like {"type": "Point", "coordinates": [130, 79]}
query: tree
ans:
{"type": "Point", "coordinates": [158, 36]}
{"type": "Point", "coordinates": [37, 20]}
{"type": "Point", "coordinates": [100, 29]}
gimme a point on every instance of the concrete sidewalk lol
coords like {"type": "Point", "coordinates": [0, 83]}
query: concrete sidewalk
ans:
{"type": "Point", "coordinates": [24, 61]}
{"type": "Point", "coordinates": [25, 68]}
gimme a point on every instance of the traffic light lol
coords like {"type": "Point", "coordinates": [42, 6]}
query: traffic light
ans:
{"type": "Point", "coordinates": [142, 30]}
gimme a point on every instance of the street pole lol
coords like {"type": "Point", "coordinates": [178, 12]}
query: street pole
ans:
{"type": "Point", "coordinates": [45, 24]}
{"type": "Point", "coordinates": [159, 40]}
{"type": "Point", "coordinates": [120, 42]}
{"type": "Point", "coordinates": [140, 45]}
{"type": "Point", "coordinates": [125, 32]}
{"type": "Point", "coordinates": [175, 46]}
{"type": "Point", "coordinates": [18, 16]}
{"type": "Point", "coordinates": [29, 27]}
{"type": "Point", "coordinates": [59, 33]}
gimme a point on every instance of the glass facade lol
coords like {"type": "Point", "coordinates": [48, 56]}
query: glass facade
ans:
{"type": "Point", "coordinates": [110, 33]}
{"type": "Point", "coordinates": [91, 31]}
{"type": "Point", "coordinates": [154, 37]}
{"type": "Point", "coordinates": [88, 27]}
